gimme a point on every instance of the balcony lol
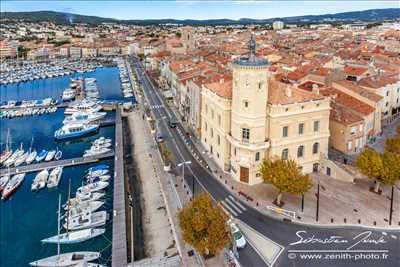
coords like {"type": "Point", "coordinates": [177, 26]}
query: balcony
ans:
{"type": "Point", "coordinates": [245, 143]}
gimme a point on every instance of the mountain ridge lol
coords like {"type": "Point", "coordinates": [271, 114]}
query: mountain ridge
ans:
{"type": "Point", "coordinates": [371, 15]}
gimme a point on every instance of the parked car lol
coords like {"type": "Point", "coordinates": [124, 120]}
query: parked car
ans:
{"type": "Point", "coordinates": [238, 236]}
{"type": "Point", "coordinates": [159, 138]}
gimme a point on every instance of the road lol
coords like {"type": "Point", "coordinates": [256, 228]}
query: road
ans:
{"type": "Point", "coordinates": [304, 245]}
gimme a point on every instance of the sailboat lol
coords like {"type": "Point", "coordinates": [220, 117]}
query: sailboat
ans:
{"type": "Point", "coordinates": [75, 236]}
{"type": "Point", "coordinates": [50, 155]}
{"type": "Point", "coordinates": [12, 185]}
{"type": "Point", "coordinates": [66, 259]}
{"type": "Point", "coordinates": [7, 152]}
{"type": "Point", "coordinates": [32, 154]}
{"type": "Point", "coordinates": [41, 155]}
{"type": "Point", "coordinates": [3, 182]}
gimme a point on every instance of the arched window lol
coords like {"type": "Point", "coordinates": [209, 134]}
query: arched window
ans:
{"type": "Point", "coordinates": [315, 148]}
{"type": "Point", "coordinates": [300, 152]}
{"type": "Point", "coordinates": [285, 154]}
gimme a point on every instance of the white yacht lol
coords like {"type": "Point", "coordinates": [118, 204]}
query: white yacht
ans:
{"type": "Point", "coordinates": [84, 117]}
{"type": "Point", "coordinates": [54, 177]}
{"type": "Point", "coordinates": [92, 187]}
{"type": "Point", "coordinates": [40, 180]}
{"type": "Point", "coordinates": [75, 236]}
{"type": "Point", "coordinates": [87, 220]}
{"type": "Point", "coordinates": [66, 259]}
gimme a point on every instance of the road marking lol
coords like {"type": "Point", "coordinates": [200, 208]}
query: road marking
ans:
{"type": "Point", "coordinates": [228, 201]}
{"type": "Point", "coordinates": [229, 208]}
{"type": "Point", "coordinates": [237, 202]}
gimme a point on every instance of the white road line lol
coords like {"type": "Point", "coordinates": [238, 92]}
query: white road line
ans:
{"type": "Point", "coordinates": [229, 208]}
{"type": "Point", "coordinates": [228, 201]}
{"type": "Point", "coordinates": [237, 202]}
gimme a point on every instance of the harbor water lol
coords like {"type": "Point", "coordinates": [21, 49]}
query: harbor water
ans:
{"type": "Point", "coordinates": [28, 217]}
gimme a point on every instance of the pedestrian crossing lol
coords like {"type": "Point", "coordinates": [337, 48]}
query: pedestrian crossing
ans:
{"type": "Point", "coordinates": [233, 206]}
{"type": "Point", "coordinates": [156, 106]}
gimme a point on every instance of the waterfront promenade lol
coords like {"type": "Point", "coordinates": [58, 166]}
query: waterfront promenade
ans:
{"type": "Point", "coordinates": [119, 237]}
{"type": "Point", "coordinates": [58, 163]}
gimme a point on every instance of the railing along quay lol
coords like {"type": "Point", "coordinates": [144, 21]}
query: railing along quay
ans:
{"type": "Point", "coordinates": [119, 255]}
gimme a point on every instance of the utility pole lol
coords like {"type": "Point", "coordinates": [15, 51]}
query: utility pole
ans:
{"type": "Point", "coordinates": [183, 173]}
{"type": "Point", "coordinates": [302, 202]}
{"type": "Point", "coordinates": [317, 215]}
{"type": "Point", "coordinates": [391, 206]}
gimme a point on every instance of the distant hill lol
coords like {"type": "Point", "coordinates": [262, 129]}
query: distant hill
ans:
{"type": "Point", "coordinates": [372, 15]}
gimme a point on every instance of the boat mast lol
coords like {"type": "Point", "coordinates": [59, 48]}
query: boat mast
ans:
{"type": "Point", "coordinates": [69, 204]}
{"type": "Point", "coordinates": [58, 224]}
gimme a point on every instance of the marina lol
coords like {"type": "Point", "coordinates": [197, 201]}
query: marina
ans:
{"type": "Point", "coordinates": [62, 176]}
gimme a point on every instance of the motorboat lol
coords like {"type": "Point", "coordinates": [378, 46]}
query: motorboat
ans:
{"type": "Point", "coordinates": [40, 180]}
{"type": "Point", "coordinates": [101, 140]}
{"type": "Point", "coordinates": [92, 187]}
{"type": "Point", "coordinates": [96, 151]}
{"type": "Point", "coordinates": [82, 209]}
{"type": "Point", "coordinates": [84, 117]}
{"type": "Point", "coordinates": [68, 94]}
{"type": "Point", "coordinates": [102, 178]}
{"type": "Point", "coordinates": [84, 205]}
{"type": "Point", "coordinates": [3, 182]}
{"type": "Point", "coordinates": [12, 185]}
{"type": "Point", "coordinates": [105, 145]}
{"type": "Point", "coordinates": [87, 220]}
{"type": "Point", "coordinates": [50, 155]}
{"type": "Point", "coordinates": [41, 155]}
{"type": "Point", "coordinates": [89, 264]}
{"type": "Point", "coordinates": [98, 167]}
{"type": "Point", "coordinates": [58, 155]}
{"type": "Point", "coordinates": [75, 130]}
{"type": "Point", "coordinates": [31, 157]}
{"type": "Point", "coordinates": [96, 173]}
{"type": "Point", "coordinates": [83, 197]}
{"type": "Point", "coordinates": [21, 159]}
{"type": "Point", "coordinates": [75, 236]}
{"type": "Point", "coordinates": [54, 177]}
{"type": "Point", "coordinates": [66, 259]}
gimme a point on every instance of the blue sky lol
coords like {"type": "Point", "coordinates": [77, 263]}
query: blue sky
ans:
{"type": "Point", "coordinates": [182, 9]}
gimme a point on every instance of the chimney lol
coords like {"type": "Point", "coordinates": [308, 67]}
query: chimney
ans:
{"type": "Point", "coordinates": [288, 91]}
{"type": "Point", "coordinates": [315, 88]}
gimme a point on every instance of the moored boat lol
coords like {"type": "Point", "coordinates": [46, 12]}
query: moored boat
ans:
{"type": "Point", "coordinates": [75, 236]}
{"type": "Point", "coordinates": [66, 259]}
{"type": "Point", "coordinates": [87, 220]}
{"type": "Point", "coordinates": [75, 130]}
{"type": "Point", "coordinates": [41, 155]}
{"type": "Point", "coordinates": [50, 155]}
{"type": "Point", "coordinates": [40, 180]}
{"type": "Point", "coordinates": [3, 182]}
{"type": "Point", "coordinates": [12, 185]}
{"type": "Point", "coordinates": [54, 177]}
{"type": "Point", "coordinates": [31, 157]}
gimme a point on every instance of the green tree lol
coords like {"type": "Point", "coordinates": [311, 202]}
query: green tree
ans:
{"type": "Point", "coordinates": [178, 34]}
{"type": "Point", "coordinates": [286, 176]}
{"type": "Point", "coordinates": [370, 163]}
{"type": "Point", "coordinates": [391, 168]}
{"type": "Point", "coordinates": [204, 225]}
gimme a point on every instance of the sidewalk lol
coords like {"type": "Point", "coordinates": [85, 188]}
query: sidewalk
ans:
{"type": "Point", "coordinates": [341, 202]}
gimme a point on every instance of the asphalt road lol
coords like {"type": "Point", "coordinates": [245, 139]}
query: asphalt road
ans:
{"type": "Point", "coordinates": [304, 245]}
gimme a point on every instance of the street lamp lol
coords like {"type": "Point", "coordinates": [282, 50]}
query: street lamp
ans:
{"type": "Point", "coordinates": [391, 206]}
{"type": "Point", "coordinates": [317, 211]}
{"type": "Point", "coordinates": [183, 172]}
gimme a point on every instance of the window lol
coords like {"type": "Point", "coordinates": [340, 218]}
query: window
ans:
{"type": "Point", "coordinates": [246, 104]}
{"type": "Point", "coordinates": [219, 140]}
{"type": "Point", "coordinates": [245, 134]}
{"type": "Point", "coordinates": [315, 148]}
{"type": "Point", "coordinates": [353, 130]}
{"type": "Point", "coordinates": [212, 114]}
{"type": "Point", "coordinates": [206, 109]}
{"type": "Point", "coordinates": [316, 126]}
{"type": "Point", "coordinates": [387, 104]}
{"type": "Point", "coordinates": [285, 131]}
{"type": "Point", "coordinates": [212, 132]}
{"type": "Point", "coordinates": [234, 151]}
{"type": "Point", "coordinates": [301, 128]}
{"type": "Point", "coordinates": [285, 154]}
{"type": "Point", "coordinates": [219, 119]}
{"type": "Point", "coordinates": [257, 156]}
{"type": "Point", "coordinates": [205, 126]}
{"type": "Point", "coordinates": [259, 85]}
{"type": "Point", "coordinates": [300, 152]}
{"type": "Point", "coordinates": [387, 93]}
{"type": "Point", "coordinates": [349, 145]}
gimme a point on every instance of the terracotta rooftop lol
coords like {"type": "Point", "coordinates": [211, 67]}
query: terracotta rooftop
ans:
{"type": "Point", "coordinates": [343, 114]}
{"type": "Point", "coordinates": [359, 90]}
{"type": "Point", "coordinates": [377, 82]}
{"type": "Point", "coordinates": [357, 71]}
{"type": "Point", "coordinates": [278, 94]}
{"type": "Point", "coordinates": [347, 101]}
{"type": "Point", "coordinates": [221, 88]}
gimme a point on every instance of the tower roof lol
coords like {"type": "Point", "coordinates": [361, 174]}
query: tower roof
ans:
{"type": "Point", "coordinates": [251, 60]}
